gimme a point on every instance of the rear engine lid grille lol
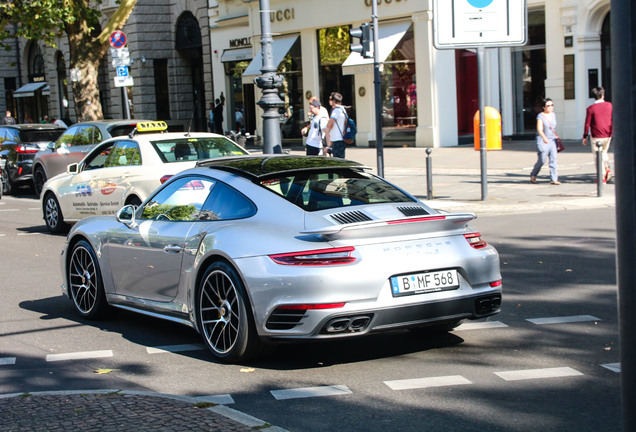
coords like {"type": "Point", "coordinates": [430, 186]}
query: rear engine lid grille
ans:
{"type": "Point", "coordinates": [413, 211]}
{"type": "Point", "coordinates": [350, 217]}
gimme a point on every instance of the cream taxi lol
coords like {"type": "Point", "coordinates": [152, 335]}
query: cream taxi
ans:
{"type": "Point", "coordinates": [125, 170]}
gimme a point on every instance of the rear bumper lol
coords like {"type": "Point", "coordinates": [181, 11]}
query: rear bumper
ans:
{"type": "Point", "coordinates": [402, 317]}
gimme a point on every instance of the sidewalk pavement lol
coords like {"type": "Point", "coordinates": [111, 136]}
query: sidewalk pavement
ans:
{"type": "Point", "coordinates": [456, 187]}
{"type": "Point", "coordinates": [457, 184]}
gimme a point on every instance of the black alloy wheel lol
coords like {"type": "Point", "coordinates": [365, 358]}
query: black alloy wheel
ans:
{"type": "Point", "coordinates": [222, 315]}
{"type": "Point", "coordinates": [7, 186]}
{"type": "Point", "coordinates": [85, 285]}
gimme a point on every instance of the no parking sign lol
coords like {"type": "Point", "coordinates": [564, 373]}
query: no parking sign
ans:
{"type": "Point", "coordinates": [118, 39]}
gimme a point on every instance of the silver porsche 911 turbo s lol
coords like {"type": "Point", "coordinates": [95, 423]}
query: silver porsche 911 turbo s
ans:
{"type": "Point", "coordinates": [275, 247]}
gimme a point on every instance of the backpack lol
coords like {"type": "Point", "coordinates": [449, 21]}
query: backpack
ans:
{"type": "Point", "coordinates": [351, 130]}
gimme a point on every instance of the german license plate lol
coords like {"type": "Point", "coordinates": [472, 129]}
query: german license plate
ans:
{"type": "Point", "coordinates": [421, 283]}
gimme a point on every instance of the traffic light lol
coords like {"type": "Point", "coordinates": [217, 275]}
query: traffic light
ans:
{"type": "Point", "coordinates": [365, 34]}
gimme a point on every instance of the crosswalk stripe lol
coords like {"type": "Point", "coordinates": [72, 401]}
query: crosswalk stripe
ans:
{"type": "Point", "coordinates": [528, 374]}
{"type": "Point", "coordinates": [174, 348]}
{"type": "Point", "coordinates": [7, 361]}
{"type": "Point", "coordinates": [481, 325]}
{"type": "Point", "coordinates": [308, 392]}
{"type": "Point", "coordinates": [79, 355]}
{"type": "Point", "coordinates": [614, 367]}
{"type": "Point", "coordinates": [419, 383]}
{"type": "Point", "coordinates": [563, 320]}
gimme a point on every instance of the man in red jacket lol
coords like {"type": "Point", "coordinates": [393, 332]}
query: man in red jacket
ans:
{"type": "Point", "coordinates": [598, 122]}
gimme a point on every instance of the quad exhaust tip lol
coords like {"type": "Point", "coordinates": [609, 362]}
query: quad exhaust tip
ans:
{"type": "Point", "coordinates": [352, 324]}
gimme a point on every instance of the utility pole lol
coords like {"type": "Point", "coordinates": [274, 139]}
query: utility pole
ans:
{"type": "Point", "coordinates": [269, 83]}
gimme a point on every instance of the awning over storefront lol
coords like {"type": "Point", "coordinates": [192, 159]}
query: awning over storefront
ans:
{"type": "Point", "coordinates": [28, 90]}
{"type": "Point", "coordinates": [389, 36]}
{"type": "Point", "coordinates": [280, 48]}
{"type": "Point", "coordinates": [238, 54]}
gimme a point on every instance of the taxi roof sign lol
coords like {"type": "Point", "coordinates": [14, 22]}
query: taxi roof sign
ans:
{"type": "Point", "coordinates": [157, 126]}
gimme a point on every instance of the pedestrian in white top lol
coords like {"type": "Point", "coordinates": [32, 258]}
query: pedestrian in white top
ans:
{"type": "Point", "coordinates": [317, 129]}
{"type": "Point", "coordinates": [336, 125]}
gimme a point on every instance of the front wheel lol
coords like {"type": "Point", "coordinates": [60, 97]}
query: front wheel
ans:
{"type": "Point", "coordinates": [39, 178]}
{"type": "Point", "coordinates": [222, 315]}
{"type": "Point", "coordinates": [85, 285]}
{"type": "Point", "coordinates": [53, 214]}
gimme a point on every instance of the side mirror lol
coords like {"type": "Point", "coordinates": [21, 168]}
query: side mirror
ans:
{"type": "Point", "coordinates": [126, 215]}
{"type": "Point", "coordinates": [72, 168]}
{"type": "Point", "coordinates": [51, 146]}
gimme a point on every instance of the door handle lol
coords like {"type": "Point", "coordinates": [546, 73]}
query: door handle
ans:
{"type": "Point", "coordinates": [172, 248]}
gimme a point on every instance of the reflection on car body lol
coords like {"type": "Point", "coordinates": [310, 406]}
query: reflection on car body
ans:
{"type": "Point", "coordinates": [282, 247]}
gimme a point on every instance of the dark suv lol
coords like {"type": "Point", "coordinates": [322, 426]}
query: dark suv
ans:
{"type": "Point", "coordinates": [18, 146]}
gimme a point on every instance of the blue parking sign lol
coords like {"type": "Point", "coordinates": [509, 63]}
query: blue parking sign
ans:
{"type": "Point", "coordinates": [122, 71]}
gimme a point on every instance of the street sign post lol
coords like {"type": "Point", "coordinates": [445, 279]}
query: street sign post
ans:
{"type": "Point", "coordinates": [118, 39]}
{"type": "Point", "coordinates": [121, 56]}
{"type": "Point", "coordinates": [121, 61]}
{"type": "Point", "coordinates": [480, 24]}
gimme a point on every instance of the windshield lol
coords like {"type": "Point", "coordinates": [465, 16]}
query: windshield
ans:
{"type": "Point", "coordinates": [313, 191]}
{"type": "Point", "coordinates": [194, 149]}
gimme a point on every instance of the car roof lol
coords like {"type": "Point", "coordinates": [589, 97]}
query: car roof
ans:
{"type": "Point", "coordinates": [34, 126]}
{"type": "Point", "coordinates": [257, 166]}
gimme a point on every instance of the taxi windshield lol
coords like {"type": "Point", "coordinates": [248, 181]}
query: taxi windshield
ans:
{"type": "Point", "coordinates": [194, 149]}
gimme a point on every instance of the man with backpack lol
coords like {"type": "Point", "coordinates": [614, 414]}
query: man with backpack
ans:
{"type": "Point", "coordinates": [336, 126]}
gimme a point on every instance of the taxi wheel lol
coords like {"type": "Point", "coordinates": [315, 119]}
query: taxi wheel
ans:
{"type": "Point", "coordinates": [222, 315]}
{"type": "Point", "coordinates": [133, 200]}
{"type": "Point", "coordinates": [53, 214]}
{"type": "Point", "coordinates": [85, 285]}
{"type": "Point", "coordinates": [39, 178]}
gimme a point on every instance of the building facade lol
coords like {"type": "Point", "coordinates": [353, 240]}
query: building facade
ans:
{"type": "Point", "coordinates": [189, 53]}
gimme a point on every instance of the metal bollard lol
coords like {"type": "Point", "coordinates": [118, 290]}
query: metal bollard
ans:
{"type": "Point", "coordinates": [429, 174]}
{"type": "Point", "coordinates": [599, 169]}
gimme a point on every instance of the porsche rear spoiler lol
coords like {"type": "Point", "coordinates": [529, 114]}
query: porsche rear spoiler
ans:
{"type": "Point", "coordinates": [402, 226]}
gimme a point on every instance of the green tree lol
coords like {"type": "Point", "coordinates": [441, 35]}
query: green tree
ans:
{"type": "Point", "coordinates": [46, 20]}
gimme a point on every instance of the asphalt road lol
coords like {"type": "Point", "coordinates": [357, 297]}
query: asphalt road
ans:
{"type": "Point", "coordinates": [547, 362]}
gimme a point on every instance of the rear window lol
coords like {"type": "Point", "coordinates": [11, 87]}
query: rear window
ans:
{"type": "Point", "coordinates": [120, 130]}
{"type": "Point", "coordinates": [343, 188]}
{"type": "Point", "coordinates": [195, 149]}
{"type": "Point", "coordinates": [27, 136]}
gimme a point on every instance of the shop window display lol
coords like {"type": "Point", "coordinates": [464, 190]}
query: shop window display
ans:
{"type": "Point", "coordinates": [292, 115]}
{"type": "Point", "coordinates": [399, 92]}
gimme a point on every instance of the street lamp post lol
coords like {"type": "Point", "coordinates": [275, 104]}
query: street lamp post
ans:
{"type": "Point", "coordinates": [269, 83]}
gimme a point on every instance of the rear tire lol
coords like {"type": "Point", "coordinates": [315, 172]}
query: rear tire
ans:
{"type": "Point", "coordinates": [222, 315]}
{"type": "Point", "coordinates": [39, 178]}
{"type": "Point", "coordinates": [53, 214]}
{"type": "Point", "coordinates": [85, 285]}
{"type": "Point", "coordinates": [7, 186]}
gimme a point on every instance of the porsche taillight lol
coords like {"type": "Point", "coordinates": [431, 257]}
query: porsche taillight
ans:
{"type": "Point", "coordinates": [475, 240]}
{"type": "Point", "coordinates": [333, 256]}
{"type": "Point", "coordinates": [26, 149]}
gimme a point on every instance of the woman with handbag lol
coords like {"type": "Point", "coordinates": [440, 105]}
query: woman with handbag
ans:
{"type": "Point", "coordinates": [546, 141]}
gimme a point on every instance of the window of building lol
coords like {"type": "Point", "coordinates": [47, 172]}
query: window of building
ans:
{"type": "Point", "coordinates": [529, 74]}
{"type": "Point", "coordinates": [292, 115]}
{"type": "Point", "coordinates": [399, 92]}
{"type": "Point", "coordinates": [334, 43]}
{"type": "Point", "coordinates": [162, 89]}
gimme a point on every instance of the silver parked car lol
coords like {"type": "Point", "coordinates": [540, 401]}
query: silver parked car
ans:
{"type": "Point", "coordinates": [73, 145]}
{"type": "Point", "coordinates": [282, 247]}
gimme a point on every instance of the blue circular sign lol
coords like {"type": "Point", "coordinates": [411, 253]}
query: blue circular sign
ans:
{"type": "Point", "coordinates": [118, 39]}
{"type": "Point", "coordinates": [480, 4]}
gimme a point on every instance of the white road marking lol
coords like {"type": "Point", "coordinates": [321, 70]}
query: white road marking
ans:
{"type": "Point", "coordinates": [79, 355]}
{"type": "Point", "coordinates": [225, 399]}
{"type": "Point", "coordinates": [7, 361]}
{"type": "Point", "coordinates": [563, 320]}
{"type": "Point", "coordinates": [419, 383]}
{"type": "Point", "coordinates": [481, 325]}
{"type": "Point", "coordinates": [309, 392]}
{"type": "Point", "coordinates": [528, 374]}
{"type": "Point", "coordinates": [9, 210]}
{"type": "Point", "coordinates": [174, 348]}
{"type": "Point", "coordinates": [35, 208]}
{"type": "Point", "coordinates": [614, 367]}
{"type": "Point", "coordinates": [29, 234]}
